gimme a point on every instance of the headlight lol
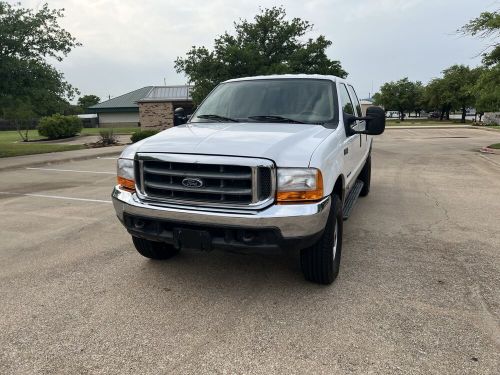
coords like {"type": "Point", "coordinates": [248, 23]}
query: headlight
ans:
{"type": "Point", "coordinates": [299, 184]}
{"type": "Point", "coordinates": [125, 174]}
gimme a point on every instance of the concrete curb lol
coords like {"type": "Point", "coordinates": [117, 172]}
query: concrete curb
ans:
{"type": "Point", "coordinates": [403, 127]}
{"type": "Point", "coordinates": [487, 150]}
{"type": "Point", "coordinates": [18, 162]}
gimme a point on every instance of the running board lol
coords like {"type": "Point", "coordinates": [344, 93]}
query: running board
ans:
{"type": "Point", "coordinates": [352, 198]}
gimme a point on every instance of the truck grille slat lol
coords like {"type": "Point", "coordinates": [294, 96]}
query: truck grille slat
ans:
{"type": "Point", "coordinates": [169, 178]}
{"type": "Point", "coordinates": [187, 172]}
{"type": "Point", "coordinates": [213, 190]}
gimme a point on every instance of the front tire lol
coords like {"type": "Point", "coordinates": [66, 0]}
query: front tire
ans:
{"type": "Point", "coordinates": [153, 249]}
{"type": "Point", "coordinates": [321, 262]}
{"type": "Point", "coordinates": [366, 176]}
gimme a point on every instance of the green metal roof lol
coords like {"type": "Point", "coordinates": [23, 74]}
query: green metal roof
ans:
{"type": "Point", "coordinates": [128, 100]}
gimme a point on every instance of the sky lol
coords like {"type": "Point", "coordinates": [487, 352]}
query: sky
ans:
{"type": "Point", "coordinates": [129, 44]}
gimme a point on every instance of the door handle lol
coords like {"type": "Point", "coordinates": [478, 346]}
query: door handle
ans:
{"type": "Point", "coordinates": [346, 150]}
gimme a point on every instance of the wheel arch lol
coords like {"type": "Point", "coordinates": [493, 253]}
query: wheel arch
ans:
{"type": "Point", "coordinates": [339, 187]}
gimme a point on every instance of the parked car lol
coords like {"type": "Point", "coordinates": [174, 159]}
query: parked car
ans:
{"type": "Point", "coordinates": [264, 163]}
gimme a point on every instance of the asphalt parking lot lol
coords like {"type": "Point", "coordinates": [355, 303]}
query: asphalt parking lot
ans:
{"type": "Point", "coordinates": [418, 291]}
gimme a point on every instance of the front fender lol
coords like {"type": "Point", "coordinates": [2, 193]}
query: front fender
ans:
{"type": "Point", "coordinates": [329, 158]}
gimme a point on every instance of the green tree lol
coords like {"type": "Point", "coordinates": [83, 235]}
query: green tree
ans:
{"type": "Point", "coordinates": [486, 26]}
{"type": "Point", "coordinates": [459, 83]}
{"type": "Point", "coordinates": [456, 90]}
{"type": "Point", "coordinates": [20, 112]}
{"type": "Point", "coordinates": [487, 90]}
{"type": "Point", "coordinates": [86, 101]}
{"type": "Point", "coordinates": [437, 98]}
{"type": "Point", "coordinates": [402, 96]}
{"type": "Point", "coordinates": [270, 44]}
{"type": "Point", "coordinates": [417, 98]}
{"type": "Point", "coordinates": [27, 39]}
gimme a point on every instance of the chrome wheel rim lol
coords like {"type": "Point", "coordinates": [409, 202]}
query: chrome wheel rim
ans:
{"type": "Point", "coordinates": [335, 234]}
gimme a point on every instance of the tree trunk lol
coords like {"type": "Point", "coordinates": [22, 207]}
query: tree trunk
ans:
{"type": "Point", "coordinates": [448, 115]}
{"type": "Point", "coordinates": [442, 114]}
{"type": "Point", "coordinates": [464, 112]}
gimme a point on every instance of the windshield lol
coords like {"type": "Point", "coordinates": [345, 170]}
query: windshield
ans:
{"type": "Point", "coordinates": [307, 101]}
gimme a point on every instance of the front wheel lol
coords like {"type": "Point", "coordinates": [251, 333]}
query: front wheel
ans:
{"type": "Point", "coordinates": [153, 249]}
{"type": "Point", "coordinates": [321, 262]}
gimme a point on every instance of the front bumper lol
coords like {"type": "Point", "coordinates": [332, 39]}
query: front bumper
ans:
{"type": "Point", "coordinates": [289, 222]}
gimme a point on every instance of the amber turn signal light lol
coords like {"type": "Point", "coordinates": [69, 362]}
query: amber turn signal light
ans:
{"type": "Point", "coordinates": [126, 183]}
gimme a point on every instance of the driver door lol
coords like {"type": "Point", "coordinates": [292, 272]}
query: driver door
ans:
{"type": "Point", "coordinates": [351, 143]}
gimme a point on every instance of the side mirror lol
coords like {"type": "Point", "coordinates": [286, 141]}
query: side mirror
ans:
{"type": "Point", "coordinates": [179, 116]}
{"type": "Point", "coordinates": [375, 121]}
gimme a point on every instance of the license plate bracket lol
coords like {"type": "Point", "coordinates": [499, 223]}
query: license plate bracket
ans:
{"type": "Point", "coordinates": [192, 239]}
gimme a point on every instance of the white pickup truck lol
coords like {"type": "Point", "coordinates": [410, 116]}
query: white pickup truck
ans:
{"type": "Point", "coordinates": [271, 162]}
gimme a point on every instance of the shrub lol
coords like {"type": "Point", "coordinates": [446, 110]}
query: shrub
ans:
{"type": "Point", "coordinates": [107, 137]}
{"type": "Point", "coordinates": [141, 134]}
{"type": "Point", "coordinates": [59, 126]}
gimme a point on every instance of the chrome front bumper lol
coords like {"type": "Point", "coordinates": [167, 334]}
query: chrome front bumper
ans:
{"type": "Point", "coordinates": [293, 220]}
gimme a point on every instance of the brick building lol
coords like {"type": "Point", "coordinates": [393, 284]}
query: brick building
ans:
{"type": "Point", "coordinates": [156, 109]}
{"type": "Point", "coordinates": [149, 107]}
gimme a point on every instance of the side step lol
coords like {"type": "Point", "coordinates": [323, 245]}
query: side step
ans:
{"type": "Point", "coordinates": [352, 197]}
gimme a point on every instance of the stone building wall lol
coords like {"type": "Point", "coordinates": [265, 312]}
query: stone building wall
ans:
{"type": "Point", "coordinates": [156, 115]}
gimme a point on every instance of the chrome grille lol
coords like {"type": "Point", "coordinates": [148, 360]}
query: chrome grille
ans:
{"type": "Point", "coordinates": [206, 180]}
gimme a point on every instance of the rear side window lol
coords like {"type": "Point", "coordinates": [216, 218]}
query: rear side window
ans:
{"type": "Point", "coordinates": [345, 100]}
{"type": "Point", "coordinates": [355, 100]}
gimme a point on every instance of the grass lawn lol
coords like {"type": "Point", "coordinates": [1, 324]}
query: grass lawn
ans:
{"type": "Point", "coordinates": [493, 126]}
{"type": "Point", "coordinates": [496, 146]}
{"type": "Point", "coordinates": [12, 145]}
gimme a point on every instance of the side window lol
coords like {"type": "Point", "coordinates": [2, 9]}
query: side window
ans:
{"type": "Point", "coordinates": [345, 100]}
{"type": "Point", "coordinates": [354, 97]}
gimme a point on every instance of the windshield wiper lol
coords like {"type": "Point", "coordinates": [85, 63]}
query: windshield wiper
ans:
{"type": "Point", "coordinates": [217, 118]}
{"type": "Point", "coordinates": [273, 118]}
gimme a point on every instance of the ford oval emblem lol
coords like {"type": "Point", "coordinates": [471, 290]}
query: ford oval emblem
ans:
{"type": "Point", "coordinates": [192, 182]}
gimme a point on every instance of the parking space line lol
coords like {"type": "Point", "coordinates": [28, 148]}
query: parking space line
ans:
{"type": "Point", "coordinates": [69, 170]}
{"type": "Point", "coordinates": [54, 197]}
{"type": "Point", "coordinates": [103, 158]}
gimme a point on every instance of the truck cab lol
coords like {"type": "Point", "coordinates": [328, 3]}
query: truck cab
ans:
{"type": "Point", "coordinates": [264, 163]}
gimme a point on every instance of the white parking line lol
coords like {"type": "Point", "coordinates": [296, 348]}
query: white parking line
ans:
{"type": "Point", "coordinates": [55, 197]}
{"type": "Point", "coordinates": [69, 170]}
{"type": "Point", "coordinates": [100, 157]}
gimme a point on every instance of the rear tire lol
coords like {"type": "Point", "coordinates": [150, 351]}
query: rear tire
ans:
{"type": "Point", "coordinates": [365, 176]}
{"type": "Point", "coordinates": [153, 249]}
{"type": "Point", "coordinates": [321, 262]}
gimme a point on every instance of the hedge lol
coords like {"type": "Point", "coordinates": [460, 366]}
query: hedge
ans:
{"type": "Point", "coordinates": [59, 126]}
{"type": "Point", "coordinates": [141, 134]}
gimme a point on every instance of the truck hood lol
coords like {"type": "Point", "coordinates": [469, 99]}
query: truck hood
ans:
{"type": "Point", "coordinates": [286, 144]}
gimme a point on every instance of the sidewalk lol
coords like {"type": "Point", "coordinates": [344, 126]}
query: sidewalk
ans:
{"type": "Point", "coordinates": [58, 157]}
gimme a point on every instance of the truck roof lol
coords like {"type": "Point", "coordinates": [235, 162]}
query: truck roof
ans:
{"type": "Point", "coordinates": [287, 76]}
